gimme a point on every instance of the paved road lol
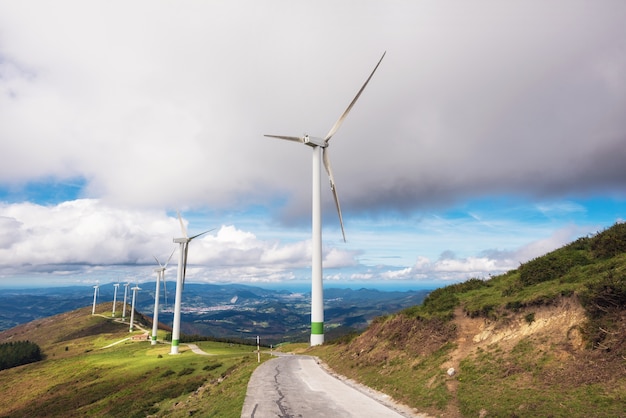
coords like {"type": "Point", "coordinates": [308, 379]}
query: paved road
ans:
{"type": "Point", "coordinates": [293, 386]}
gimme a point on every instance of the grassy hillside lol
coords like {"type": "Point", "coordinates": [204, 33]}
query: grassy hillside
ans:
{"type": "Point", "coordinates": [547, 339]}
{"type": "Point", "coordinates": [92, 368]}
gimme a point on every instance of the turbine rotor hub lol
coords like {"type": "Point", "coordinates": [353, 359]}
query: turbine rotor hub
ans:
{"type": "Point", "coordinates": [314, 142]}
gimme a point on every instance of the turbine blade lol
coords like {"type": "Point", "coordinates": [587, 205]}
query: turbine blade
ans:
{"type": "Point", "coordinates": [337, 124]}
{"type": "Point", "coordinates": [288, 138]}
{"type": "Point", "coordinates": [168, 260]}
{"type": "Point", "coordinates": [333, 188]}
{"type": "Point", "coordinates": [182, 225]}
{"type": "Point", "coordinates": [185, 263]}
{"type": "Point", "coordinates": [164, 289]}
{"type": "Point", "coordinates": [157, 260]}
{"type": "Point", "coordinates": [202, 233]}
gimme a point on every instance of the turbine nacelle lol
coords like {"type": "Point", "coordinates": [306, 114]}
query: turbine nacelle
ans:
{"type": "Point", "coordinates": [311, 141]}
{"type": "Point", "coordinates": [314, 141]}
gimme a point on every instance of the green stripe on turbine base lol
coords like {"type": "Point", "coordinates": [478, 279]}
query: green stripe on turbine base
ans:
{"type": "Point", "coordinates": [175, 343]}
{"type": "Point", "coordinates": [154, 338]}
{"type": "Point", "coordinates": [317, 328]}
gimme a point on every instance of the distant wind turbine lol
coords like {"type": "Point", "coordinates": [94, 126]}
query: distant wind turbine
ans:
{"type": "Point", "coordinates": [116, 286]}
{"type": "Point", "coordinates": [132, 309]}
{"type": "Point", "coordinates": [319, 144]}
{"type": "Point", "coordinates": [124, 306]}
{"type": "Point", "coordinates": [96, 290]}
{"type": "Point", "coordinates": [180, 280]}
{"type": "Point", "coordinates": [160, 277]}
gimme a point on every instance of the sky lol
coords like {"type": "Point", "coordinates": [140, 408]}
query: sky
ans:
{"type": "Point", "coordinates": [491, 133]}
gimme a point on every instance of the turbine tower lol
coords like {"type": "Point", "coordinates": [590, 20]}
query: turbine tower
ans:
{"type": "Point", "coordinates": [160, 277]}
{"type": "Point", "coordinates": [180, 281]}
{"type": "Point", "coordinates": [96, 290]}
{"type": "Point", "coordinates": [319, 144]}
{"type": "Point", "coordinates": [116, 286]}
{"type": "Point", "coordinates": [132, 309]}
{"type": "Point", "coordinates": [124, 306]}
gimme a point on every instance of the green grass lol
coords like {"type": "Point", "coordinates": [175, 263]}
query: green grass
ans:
{"type": "Point", "coordinates": [514, 384]}
{"type": "Point", "coordinates": [131, 379]}
{"type": "Point", "coordinates": [535, 377]}
{"type": "Point", "coordinates": [413, 381]}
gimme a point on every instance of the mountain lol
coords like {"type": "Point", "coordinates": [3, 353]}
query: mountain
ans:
{"type": "Point", "coordinates": [546, 339]}
{"type": "Point", "coordinates": [221, 311]}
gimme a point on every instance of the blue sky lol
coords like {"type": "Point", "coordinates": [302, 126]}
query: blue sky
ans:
{"type": "Point", "coordinates": [490, 134]}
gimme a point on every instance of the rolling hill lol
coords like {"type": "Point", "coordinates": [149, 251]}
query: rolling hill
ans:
{"type": "Point", "coordinates": [94, 368]}
{"type": "Point", "coordinates": [547, 339]}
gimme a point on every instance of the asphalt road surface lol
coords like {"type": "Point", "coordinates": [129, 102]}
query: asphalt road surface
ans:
{"type": "Point", "coordinates": [292, 386]}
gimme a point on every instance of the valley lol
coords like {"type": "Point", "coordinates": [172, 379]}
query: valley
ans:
{"type": "Point", "coordinates": [233, 311]}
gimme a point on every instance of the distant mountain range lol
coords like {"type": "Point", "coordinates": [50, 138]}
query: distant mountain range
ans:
{"type": "Point", "coordinates": [220, 311]}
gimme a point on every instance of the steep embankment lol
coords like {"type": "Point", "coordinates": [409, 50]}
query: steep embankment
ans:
{"type": "Point", "coordinates": [548, 339]}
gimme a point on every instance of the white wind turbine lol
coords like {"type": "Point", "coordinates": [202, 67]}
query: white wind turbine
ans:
{"type": "Point", "coordinates": [116, 286]}
{"type": "Point", "coordinates": [132, 309]}
{"type": "Point", "coordinates": [319, 144]}
{"type": "Point", "coordinates": [160, 277]}
{"type": "Point", "coordinates": [180, 281]}
{"type": "Point", "coordinates": [96, 290]}
{"type": "Point", "coordinates": [124, 306]}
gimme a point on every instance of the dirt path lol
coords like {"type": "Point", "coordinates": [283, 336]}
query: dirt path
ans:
{"type": "Point", "coordinates": [198, 350]}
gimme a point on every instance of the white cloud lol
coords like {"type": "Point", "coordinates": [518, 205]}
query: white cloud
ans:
{"type": "Point", "coordinates": [157, 106]}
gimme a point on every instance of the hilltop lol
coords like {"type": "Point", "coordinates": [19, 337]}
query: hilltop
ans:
{"type": "Point", "coordinates": [546, 339]}
{"type": "Point", "coordinates": [93, 367]}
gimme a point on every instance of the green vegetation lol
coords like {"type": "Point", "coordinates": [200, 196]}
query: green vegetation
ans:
{"type": "Point", "coordinates": [591, 267]}
{"type": "Point", "coordinates": [568, 370]}
{"type": "Point", "coordinates": [84, 375]}
{"type": "Point", "coordinates": [546, 339]}
{"type": "Point", "coordinates": [17, 353]}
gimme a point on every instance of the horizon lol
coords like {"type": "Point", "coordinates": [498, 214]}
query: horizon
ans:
{"type": "Point", "coordinates": [294, 287]}
{"type": "Point", "coordinates": [477, 145]}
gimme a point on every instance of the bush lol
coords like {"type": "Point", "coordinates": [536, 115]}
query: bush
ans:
{"type": "Point", "coordinates": [551, 266]}
{"type": "Point", "coordinates": [17, 353]}
{"type": "Point", "coordinates": [440, 303]}
{"type": "Point", "coordinates": [610, 242]}
{"type": "Point", "coordinates": [605, 303]}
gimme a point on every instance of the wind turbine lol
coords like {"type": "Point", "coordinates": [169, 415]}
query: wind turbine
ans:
{"type": "Point", "coordinates": [96, 290]}
{"type": "Point", "coordinates": [116, 286]}
{"type": "Point", "coordinates": [160, 277]}
{"type": "Point", "coordinates": [124, 306]}
{"type": "Point", "coordinates": [319, 144]}
{"type": "Point", "coordinates": [180, 280]}
{"type": "Point", "coordinates": [132, 309]}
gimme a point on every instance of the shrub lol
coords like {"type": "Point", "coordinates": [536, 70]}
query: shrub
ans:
{"type": "Point", "coordinates": [551, 266]}
{"type": "Point", "coordinates": [17, 353]}
{"type": "Point", "coordinates": [610, 242]}
{"type": "Point", "coordinates": [605, 301]}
